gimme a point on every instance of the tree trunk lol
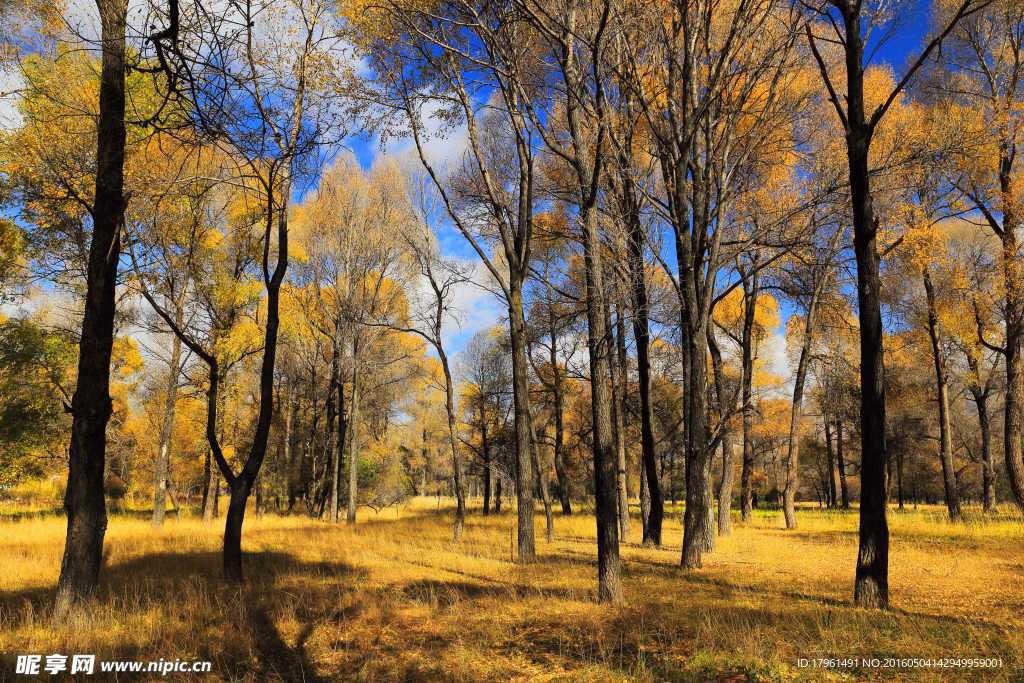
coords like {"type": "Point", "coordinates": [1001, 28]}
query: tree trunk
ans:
{"type": "Point", "coordinates": [558, 393]}
{"type": "Point", "coordinates": [453, 440]}
{"type": "Point", "coordinates": [831, 457]}
{"type": "Point", "coordinates": [353, 448]}
{"type": "Point", "coordinates": [485, 447]}
{"type": "Point", "coordinates": [209, 487]}
{"type": "Point", "coordinates": [91, 404]}
{"type": "Point", "coordinates": [988, 470]}
{"type": "Point", "coordinates": [728, 467]}
{"type": "Point", "coordinates": [243, 483]}
{"type": "Point", "coordinates": [796, 413]}
{"type": "Point", "coordinates": [618, 432]}
{"type": "Point", "coordinates": [871, 588]}
{"type": "Point", "coordinates": [291, 454]}
{"type": "Point", "coordinates": [696, 527]}
{"type": "Point", "coordinates": [750, 286]}
{"type": "Point", "coordinates": [841, 465]}
{"type": "Point", "coordinates": [523, 427]}
{"type": "Point", "coordinates": [1012, 264]}
{"type": "Point", "coordinates": [942, 397]}
{"type": "Point", "coordinates": [642, 336]}
{"type": "Point", "coordinates": [899, 480]}
{"type": "Point", "coordinates": [163, 460]}
{"type": "Point", "coordinates": [334, 444]}
{"type": "Point", "coordinates": [240, 489]}
{"type": "Point", "coordinates": [599, 345]}
{"type": "Point", "coordinates": [645, 499]}
{"type": "Point", "coordinates": [545, 496]}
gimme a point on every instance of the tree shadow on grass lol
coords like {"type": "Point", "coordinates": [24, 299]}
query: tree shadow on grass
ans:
{"type": "Point", "coordinates": [236, 628]}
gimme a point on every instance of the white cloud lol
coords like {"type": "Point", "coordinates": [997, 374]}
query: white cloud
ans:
{"type": "Point", "coordinates": [11, 82]}
{"type": "Point", "coordinates": [776, 360]}
{"type": "Point", "coordinates": [443, 146]}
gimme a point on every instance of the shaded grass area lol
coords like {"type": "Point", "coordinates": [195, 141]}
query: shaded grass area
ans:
{"type": "Point", "coordinates": [394, 599]}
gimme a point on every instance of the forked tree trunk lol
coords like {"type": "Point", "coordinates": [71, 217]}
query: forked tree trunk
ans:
{"type": "Point", "coordinates": [796, 412]}
{"type": "Point", "coordinates": [91, 404]}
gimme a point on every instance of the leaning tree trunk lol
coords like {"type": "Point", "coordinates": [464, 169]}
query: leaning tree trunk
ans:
{"type": "Point", "coordinates": [243, 483]}
{"type": "Point", "coordinates": [163, 458]}
{"type": "Point", "coordinates": [91, 404]}
{"type": "Point", "coordinates": [796, 413]}
{"type": "Point", "coordinates": [793, 454]}
{"type": "Point", "coordinates": [942, 391]}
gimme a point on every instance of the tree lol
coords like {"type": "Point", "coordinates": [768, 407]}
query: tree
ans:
{"type": "Point", "coordinates": [91, 403]}
{"type": "Point", "coordinates": [818, 272]}
{"type": "Point", "coordinates": [851, 22]}
{"type": "Point", "coordinates": [268, 95]}
{"type": "Point", "coordinates": [980, 86]}
{"type": "Point", "coordinates": [442, 276]}
{"type": "Point", "coordinates": [444, 64]}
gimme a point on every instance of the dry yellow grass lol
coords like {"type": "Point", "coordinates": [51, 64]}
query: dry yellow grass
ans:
{"type": "Point", "coordinates": [395, 599]}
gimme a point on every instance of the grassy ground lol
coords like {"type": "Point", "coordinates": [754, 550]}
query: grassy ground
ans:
{"type": "Point", "coordinates": [395, 599]}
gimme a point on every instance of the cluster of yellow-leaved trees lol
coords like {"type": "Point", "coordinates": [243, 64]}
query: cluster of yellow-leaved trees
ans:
{"type": "Point", "coordinates": [725, 255]}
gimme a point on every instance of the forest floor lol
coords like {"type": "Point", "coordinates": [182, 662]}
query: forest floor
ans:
{"type": "Point", "coordinates": [394, 599]}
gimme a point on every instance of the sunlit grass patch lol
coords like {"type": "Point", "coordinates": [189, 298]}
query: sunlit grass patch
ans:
{"type": "Point", "coordinates": [395, 598]}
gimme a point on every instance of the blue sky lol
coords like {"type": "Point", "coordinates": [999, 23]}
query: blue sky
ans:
{"type": "Point", "coordinates": [480, 309]}
{"type": "Point", "coordinates": [896, 46]}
